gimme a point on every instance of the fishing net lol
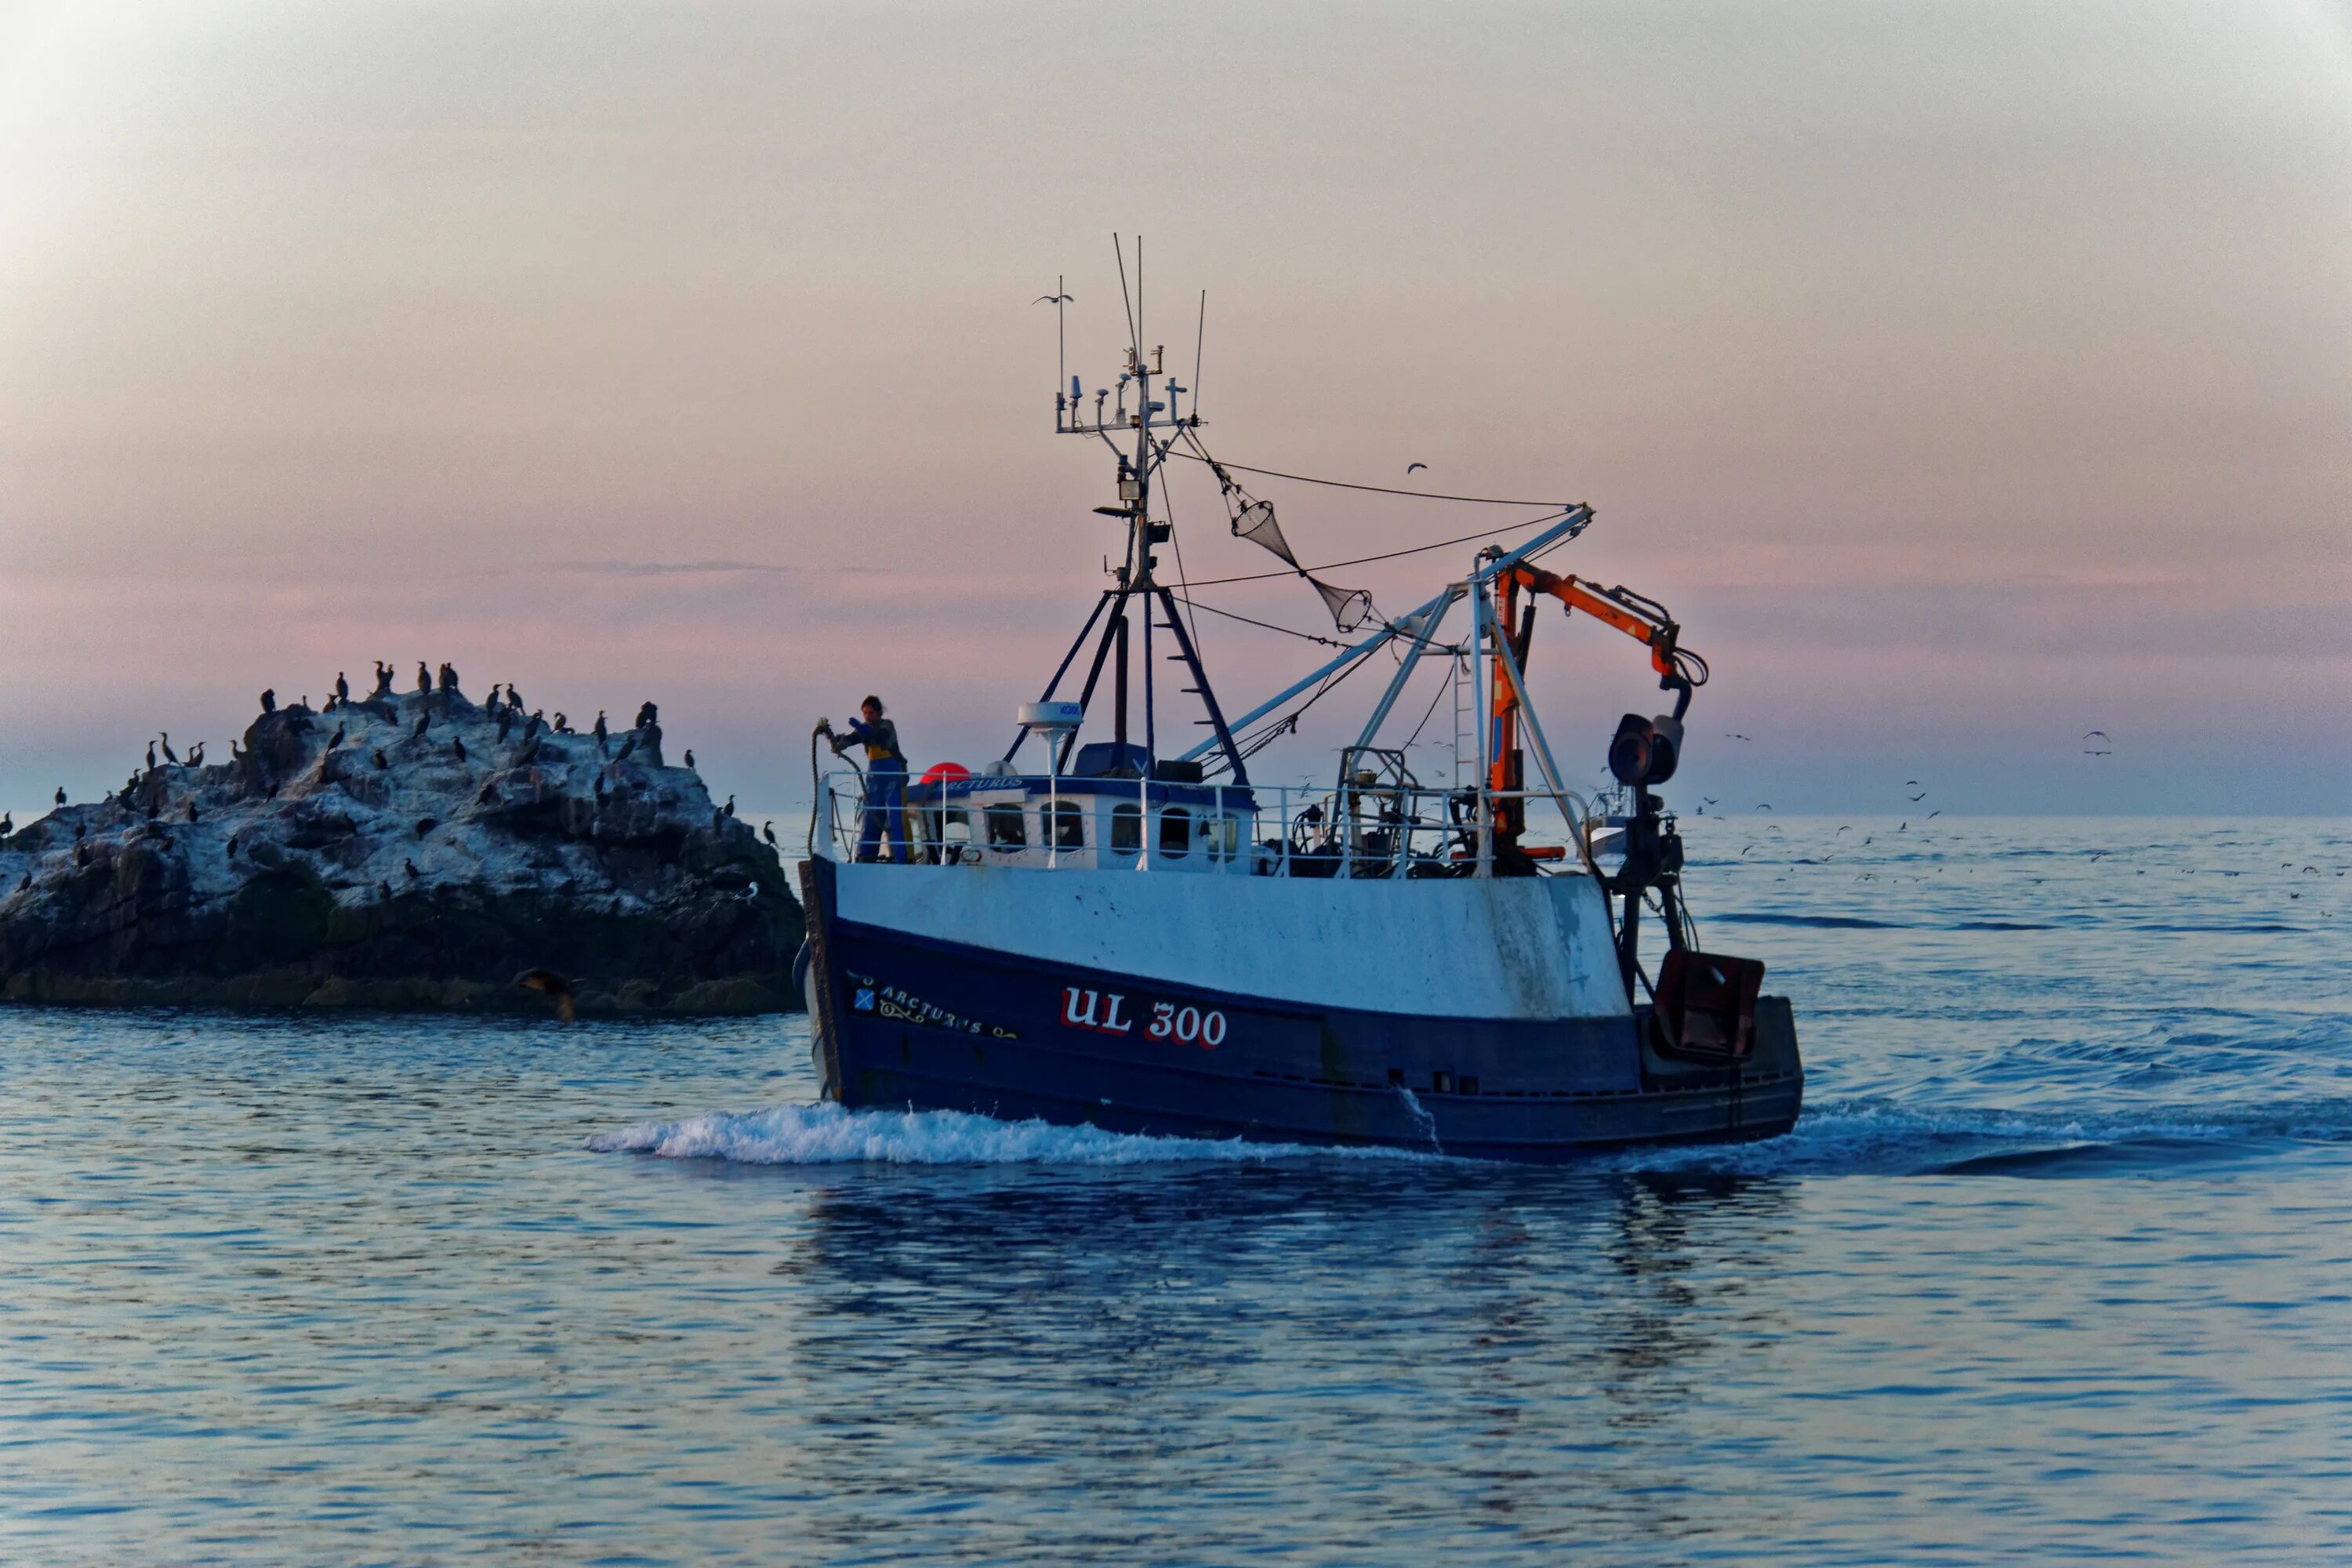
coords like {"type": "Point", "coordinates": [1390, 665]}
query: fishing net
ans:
{"type": "Point", "coordinates": [1349, 607]}
{"type": "Point", "coordinates": [1255, 523]}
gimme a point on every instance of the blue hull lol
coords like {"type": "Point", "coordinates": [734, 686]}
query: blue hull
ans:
{"type": "Point", "coordinates": [908, 1020]}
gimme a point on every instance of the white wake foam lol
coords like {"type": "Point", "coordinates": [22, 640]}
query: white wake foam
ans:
{"type": "Point", "coordinates": [826, 1134]}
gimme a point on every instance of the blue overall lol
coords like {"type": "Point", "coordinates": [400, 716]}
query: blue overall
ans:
{"type": "Point", "coordinates": [886, 810]}
{"type": "Point", "coordinates": [886, 789]}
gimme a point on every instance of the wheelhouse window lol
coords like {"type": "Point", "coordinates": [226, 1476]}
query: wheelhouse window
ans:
{"type": "Point", "coordinates": [1126, 829]}
{"type": "Point", "coordinates": [1066, 824]}
{"type": "Point", "coordinates": [1223, 834]}
{"type": "Point", "coordinates": [1175, 832]}
{"type": "Point", "coordinates": [1007, 824]}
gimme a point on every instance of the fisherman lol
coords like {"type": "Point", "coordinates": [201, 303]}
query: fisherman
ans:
{"type": "Point", "coordinates": [885, 780]}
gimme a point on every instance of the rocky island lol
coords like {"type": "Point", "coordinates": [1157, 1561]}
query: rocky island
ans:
{"type": "Point", "coordinates": [408, 849]}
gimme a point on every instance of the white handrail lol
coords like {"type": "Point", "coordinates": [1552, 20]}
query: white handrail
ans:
{"type": "Point", "coordinates": [1430, 833]}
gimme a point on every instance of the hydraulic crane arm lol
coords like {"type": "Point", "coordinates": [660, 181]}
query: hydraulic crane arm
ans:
{"type": "Point", "coordinates": [1643, 619]}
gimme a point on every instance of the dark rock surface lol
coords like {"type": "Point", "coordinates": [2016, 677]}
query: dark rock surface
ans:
{"type": "Point", "coordinates": [402, 869]}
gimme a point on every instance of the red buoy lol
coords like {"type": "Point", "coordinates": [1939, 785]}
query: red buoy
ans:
{"type": "Point", "coordinates": [939, 771]}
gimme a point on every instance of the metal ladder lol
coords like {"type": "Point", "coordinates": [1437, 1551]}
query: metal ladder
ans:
{"type": "Point", "coordinates": [1465, 725]}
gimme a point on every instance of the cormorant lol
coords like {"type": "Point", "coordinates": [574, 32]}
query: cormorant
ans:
{"type": "Point", "coordinates": [514, 698]}
{"type": "Point", "coordinates": [423, 678]}
{"type": "Point", "coordinates": [647, 714]}
{"type": "Point", "coordinates": [600, 732]}
{"type": "Point", "coordinates": [448, 678]}
{"type": "Point", "coordinates": [81, 854]}
{"type": "Point", "coordinates": [232, 844]}
{"type": "Point", "coordinates": [530, 729]}
{"type": "Point", "coordinates": [627, 746]}
{"type": "Point", "coordinates": [689, 759]}
{"type": "Point", "coordinates": [336, 739]}
{"type": "Point", "coordinates": [410, 866]}
{"type": "Point", "coordinates": [8, 824]}
{"type": "Point", "coordinates": [233, 754]}
{"type": "Point", "coordinates": [61, 795]}
{"type": "Point", "coordinates": [271, 792]}
{"type": "Point", "coordinates": [718, 818]}
{"type": "Point", "coordinates": [768, 832]}
{"type": "Point", "coordinates": [169, 755]}
{"type": "Point", "coordinates": [26, 884]}
{"type": "Point", "coordinates": [600, 787]}
{"type": "Point", "coordinates": [269, 702]}
{"type": "Point", "coordinates": [728, 809]}
{"type": "Point", "coordinates": [383, 678]}
{"type": "Point", "coordinates": [196, 755]}
{"type": "Point", "coordinates": [384, 891]}
{"type": "Point", "coordinates": [343, 688]}
{"type": "Point", "coordinates": [563, 723]}
{"type": "Point", "coordinates": [81, 830]}
{"type": "Point", "coordinates": [506, 721]}
{"type": "Point", "coordinates": [422, 720]}
{"type": "Point", "coordinates": [192, 811]}
{"type": "Point", "coordinates": [459, 747]}
{"type": "Point", "coordinates": [380, 761]}
{"type": "Point", "coordinates": [151, 756]}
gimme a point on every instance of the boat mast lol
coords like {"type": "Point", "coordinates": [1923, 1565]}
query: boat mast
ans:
{"type": "Point", "coordinates": [1137, 578]}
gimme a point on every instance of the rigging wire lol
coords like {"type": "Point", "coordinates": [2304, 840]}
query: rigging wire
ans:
{"type": "Point", "coordinates": [1269, 625]}
{"type": "Point", "coordinates": [1365, 560]}
{"type": "Point", "coordinates": [1167, 499]}
{"type": "Point", "coordinates": [1425, 718]}
{"type": "Point", "coordinates": [1202, 456]}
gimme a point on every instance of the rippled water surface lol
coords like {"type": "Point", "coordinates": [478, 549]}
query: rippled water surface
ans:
{"type": "Point", "coordinates": [2058, 1264]}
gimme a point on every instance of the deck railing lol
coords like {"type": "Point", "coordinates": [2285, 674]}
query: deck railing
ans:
{"type": "Point", "coordinates": [1356, 830]}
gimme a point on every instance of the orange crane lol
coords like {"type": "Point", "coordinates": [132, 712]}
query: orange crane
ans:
{"type": "Point", "coordinates": [1644, 749]}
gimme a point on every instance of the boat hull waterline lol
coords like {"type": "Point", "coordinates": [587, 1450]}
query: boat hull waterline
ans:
{"type": "Point", "coordinates": [1110, 999]}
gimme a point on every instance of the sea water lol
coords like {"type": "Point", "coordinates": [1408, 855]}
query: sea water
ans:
{"type": "Point", "coordinates": [2057, 1265]}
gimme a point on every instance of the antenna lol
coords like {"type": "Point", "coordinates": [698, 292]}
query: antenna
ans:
{"type": "Point", "coordinates": [1134, 332]}
{"type": "Point", "coordinates": [1061, 342]}
{"type": "Point", "coordinates": [1198, 331]}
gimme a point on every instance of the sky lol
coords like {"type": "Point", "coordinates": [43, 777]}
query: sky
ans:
{"type": "Point", "coordinates": [1965, 377]}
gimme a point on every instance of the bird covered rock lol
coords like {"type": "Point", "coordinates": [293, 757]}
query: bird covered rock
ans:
{"type": "Point", "coordinates": [395, 869]}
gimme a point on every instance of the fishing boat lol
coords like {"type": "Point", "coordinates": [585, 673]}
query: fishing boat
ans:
{"type": "Point", "coordinates": [1145, 938]}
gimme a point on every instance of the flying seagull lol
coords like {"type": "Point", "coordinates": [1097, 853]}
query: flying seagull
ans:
{"type": "Point", "coordinates": [1730, 736]}
{"type": "Point", "coordinates": [1409, 468]}
{"type": "Point", "coordinates": [1053, 300]}
{"type": "Point", "coordinates": [2097, 735]}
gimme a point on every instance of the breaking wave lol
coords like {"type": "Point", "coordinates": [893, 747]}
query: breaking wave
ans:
{"type": "Point", "coordinates": [825, 1135]}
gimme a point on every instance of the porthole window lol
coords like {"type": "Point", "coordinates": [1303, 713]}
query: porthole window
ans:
{"type": "Point", "coordinates": [1069, 825]}
{"type": "Point", "coordinates": [1126, 829]}
{"type": "Point", "coordinates": [1175, 832]}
